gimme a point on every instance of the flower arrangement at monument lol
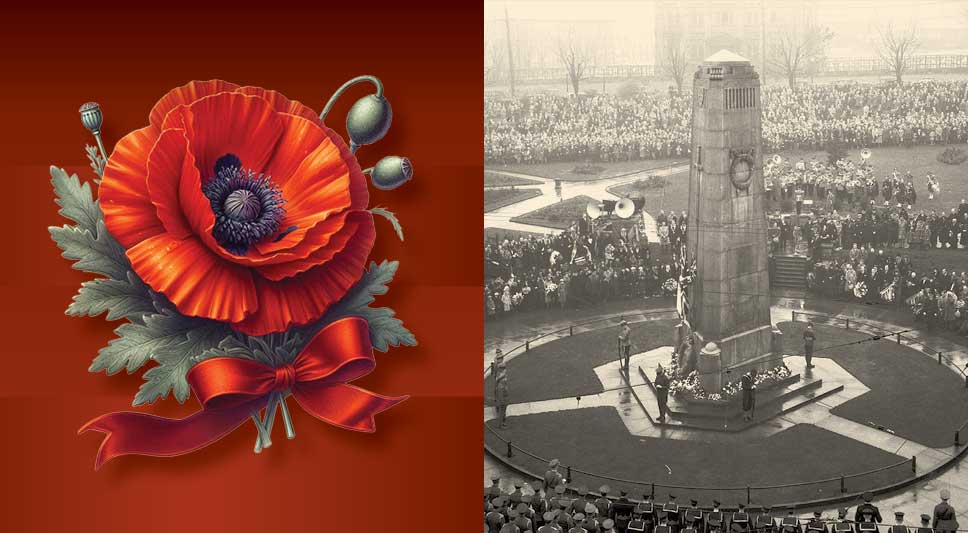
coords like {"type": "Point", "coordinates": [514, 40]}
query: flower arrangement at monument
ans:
{"type": "Point", "coordinates": [232, 234]}
{"type": "Point", "coordinates": [690, 386]}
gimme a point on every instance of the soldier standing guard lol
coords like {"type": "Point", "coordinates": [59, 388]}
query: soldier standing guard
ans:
{"type": "Point", "coordinates": [625, 346]}
{"type": "Point", "coordinates": [808, 337]}
{"type": "Point", "coordinates": [898, 526]}
{"type": "Point", "coordinates": [603, 503]}
{"type": "Point", "coordinates": [552, 477]}
{"type": "Point", "coordinates": [662, 392]}
{"type": "Point", "coordinates": [502, 396]}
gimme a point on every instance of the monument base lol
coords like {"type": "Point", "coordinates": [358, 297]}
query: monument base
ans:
{"type": "Point", "coordinates": [723, 361]}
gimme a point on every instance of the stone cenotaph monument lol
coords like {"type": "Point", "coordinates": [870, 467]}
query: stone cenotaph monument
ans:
{"type": "Point", "coordinates": [729, 298]}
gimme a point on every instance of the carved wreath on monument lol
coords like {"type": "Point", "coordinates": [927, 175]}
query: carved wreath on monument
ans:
{"type": "Point", "coordinates": [741, 168]}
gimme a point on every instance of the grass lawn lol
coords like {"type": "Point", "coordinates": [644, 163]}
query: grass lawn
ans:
{"type": "Point", "coordinates": [910, 393]}
{"type": "Point", "coordinates": [595, 440]}
{"type": "Point", "coordinates": [558, 216]}
{"type": "Point", "coordinates": [674, 196]}
{"type": "Point", "coordinates": [498, 198]}
{"type": "Point", "coordinates": [564, 368]}
{"type": "Point", "coordinates": [565, 171]}
{"type": "Point", "coordinates": [493, 179]}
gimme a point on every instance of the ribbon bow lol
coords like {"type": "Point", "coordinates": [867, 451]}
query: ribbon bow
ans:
{"type": "Point", "coordinates": [231, 389]}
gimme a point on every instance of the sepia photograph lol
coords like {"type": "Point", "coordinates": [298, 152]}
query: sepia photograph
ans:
{"type": "Point", "coordinates": [725, 270]}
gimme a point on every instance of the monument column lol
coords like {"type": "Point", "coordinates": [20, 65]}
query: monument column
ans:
{"type": "Point", "coordinates": [729, 299]}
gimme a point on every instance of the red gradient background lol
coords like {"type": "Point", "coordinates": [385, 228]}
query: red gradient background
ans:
{"type": "Point", "coordinates": [414, 473]}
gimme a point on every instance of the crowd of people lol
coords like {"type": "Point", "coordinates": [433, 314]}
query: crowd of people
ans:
{"type": "Point", "coordinates": [606, 127]}
{"type": "Point", "coordinates": [591, 263]}
{"type": "Point", "coordinates": [551, 505]}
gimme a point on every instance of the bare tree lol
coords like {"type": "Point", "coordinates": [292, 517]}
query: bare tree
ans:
{"type": "Point", "coordinates": [895, 47]}
{"type": "Point", "coordinates": [674, 59]}
{"type": "Point", "coordinates": [796, 53]}
{"type": "Point", "coordinates": [576, 56]}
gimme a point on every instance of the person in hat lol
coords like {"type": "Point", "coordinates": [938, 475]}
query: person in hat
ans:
{"type": "Point", "coordinates": [817, 524]}
{"type": "Point", "coordinates": [578, 518]}
{"type": "Point", "coordinates": [945, 518]}
{"type": "Point", "coordinates": [523, 520]}
{"type": "Point", "coordinates": [790, 523]}
{"type": "Point", "coordinates": [625, 345]}
{"type": "Point", "coordinates": [590, 523]}
{"type": "Point", "coordinates": [843, 524]}
{"type": "Point", "coordinates": [621, 511]}
{"type": "Point", "coordinates": [648, 511]}
{"type": "Point", "coordinates": [661, 384]}
{"type": "Point", "coordinates": [549, 524]}
{"type": "Point", "coordinates": [898, 526]}
{"type": "Point", "coordinates": [603, 503]}
{"type": "Point", "coordinates": [867, 513]}
{"type": "Point", "coordinates": [739, 521]}
{"type": "Point", "coordinates": [714, 519]}
{"type": "Point", "coordinates": [552, 477]}
{"type": "Point", "coordinates": [637, 524]}
{"type": "Point", "coordinates": [560, 500]}
{"type": "Point", "coordinates": [502, 398]}
{"type": "Point", "coordinates": [671, 513]}
{"type": "Point", "coordinates": [608, 526]}
{"type": "Point", "coordinates": [510, 528]}
{"type": "Point", "coordinates": [808, 338]}
{"type": "Point", "coordinates": [692, 517]}
{"type": "Point", "coordinates": [494, 519]}
{"type": "Point", "coordinates": [494, 490]}
{"type": "Point", "coordinates": [764, 521]}
{"type": "Point", "coordinates": [748, 382]}
{"type": "Point", "coordinates": [516, 495]}
{"type": "Point", "coordinates": [925, 526]}
{"type": "Point", "coordinates": [578, 505]}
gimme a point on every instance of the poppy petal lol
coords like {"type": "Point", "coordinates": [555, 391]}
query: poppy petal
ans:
{"type": "Point", "coordinates": [194, 279]}
{"type": "Point", "coordinates": [185, 95]}
{"type": "Point", "coordinates": [165, 167]}
{"type": "Point", "coordinates": [306, 297]}
{"type": "Point", "coordinates": [333, 241]}
{"type": "Point", "coordinates": [232, 123]}
{"type": "Point", "coordinates": [123, 195]}
{"type": "Point", "coordinates": [282, 104]}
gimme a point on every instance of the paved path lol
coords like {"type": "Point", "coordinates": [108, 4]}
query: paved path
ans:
{"type": "Point", "coordinates": [913, 500]}
{"type": "Point", "coordinates": [598, 189]}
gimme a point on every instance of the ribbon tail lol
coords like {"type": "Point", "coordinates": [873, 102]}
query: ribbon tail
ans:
{"type": "Point", "coordinates": [342, 405]}
{"type": "Point", "coordinates": [130, 433]}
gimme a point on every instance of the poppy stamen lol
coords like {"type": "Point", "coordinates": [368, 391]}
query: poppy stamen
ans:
{"type": "Point", "coordinates": [248, 207]}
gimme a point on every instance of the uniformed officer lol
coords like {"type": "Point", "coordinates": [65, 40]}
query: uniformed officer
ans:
{"type": "Point", "coordinates": [603, 503]}
{"type": "Point", "coordinates": [672, 517]}
{"type": "Point", "coordinates": [515, 497]}
{"type": "Point", "coordinates": [625, 345]}
{"type": "Point", "coordinates": [578, 519]}
{"type": "Point", "coordinates": [637, 524]}
{"type": "Point", "coordinates": [692, 517]}
{"type": "Point", "coordinates": [560, 500]}
{"type": "Point", "coordinates": [740, 520]}
{"type": "Point", "coordinates": [549, 524]}
{"type": "Point", "coordinates": [715, 520]}
{"type": "Point", "coordinates": [899, 526]}
{"type": "Point", "coordinates": [523, 520]}
{"type": "Point", "coordinates": [867, 515]}
{"type": "Point", "coordinates": [564, 521]}
{"type": "Point", "coordinates": [608, 526]}
{"type": "Point", "coordinates": [764, 521]}
{"type": "Point", "coordinates": [578, 505]}
{"type": "Point", "coordinates": [817, 524]}
{"type": "Point", "coordinates": [648, 512]}
{"type": "Point", "coordinates": [925, 526]}
{"type": "Point", "coordinates": [495, 518]}
{"type": "Point", "coordinates": [502, 399]}
{"type": "Point", "coordinates": [790, 523]}
{"type": "Point", "coordinates": [843, 525]}
{"type": "Point", "coordinates": [621, 511]}
{"type": "Point", "coordinates": [592, 521]}
{"type": "Point", "coordinates": [945, 518]}
{"type": "Point", "coordinates": [552, 476]}
{"type": "Point", "coordinates": [494, 490]}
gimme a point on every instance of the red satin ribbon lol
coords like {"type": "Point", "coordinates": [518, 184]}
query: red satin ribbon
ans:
{"type": "Point", "coordinates": [231, 389]}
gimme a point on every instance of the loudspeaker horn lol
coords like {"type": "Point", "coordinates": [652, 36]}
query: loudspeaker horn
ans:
{"type": "Point", "coordinates": [593, 210]}
{"type": "Point", "coordinates": [625, 208]}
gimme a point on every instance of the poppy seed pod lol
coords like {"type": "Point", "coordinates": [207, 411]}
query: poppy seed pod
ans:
{"type": "Point", "coordinates": [391, 172]}
{"type": "Point", "coordinates": [369, 119]}
{"type": "Point", "coordinates": [91, 116]}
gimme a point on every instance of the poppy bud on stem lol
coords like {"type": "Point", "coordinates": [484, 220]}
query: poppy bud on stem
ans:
{"type": "Point", "coordinates": [92, 118]}
{"type": "Point", "coordinates": [369, 118]}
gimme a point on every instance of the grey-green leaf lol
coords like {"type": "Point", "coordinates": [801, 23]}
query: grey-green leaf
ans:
{"type": "Point", "coordinates": [75, 199]}
{"type": "Point", "coordinates": [95, 252]}
{"type": "Point", "coordinates": [120, 299]}
{"type": "Point", "coordinates": [386, 330]}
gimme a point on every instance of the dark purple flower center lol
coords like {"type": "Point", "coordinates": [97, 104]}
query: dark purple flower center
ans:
{"type": "Point", "coordinates": [248, 207]}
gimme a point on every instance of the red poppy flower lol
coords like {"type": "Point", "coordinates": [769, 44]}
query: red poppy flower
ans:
{"type": "Point", "coordinates": [239, 205]}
